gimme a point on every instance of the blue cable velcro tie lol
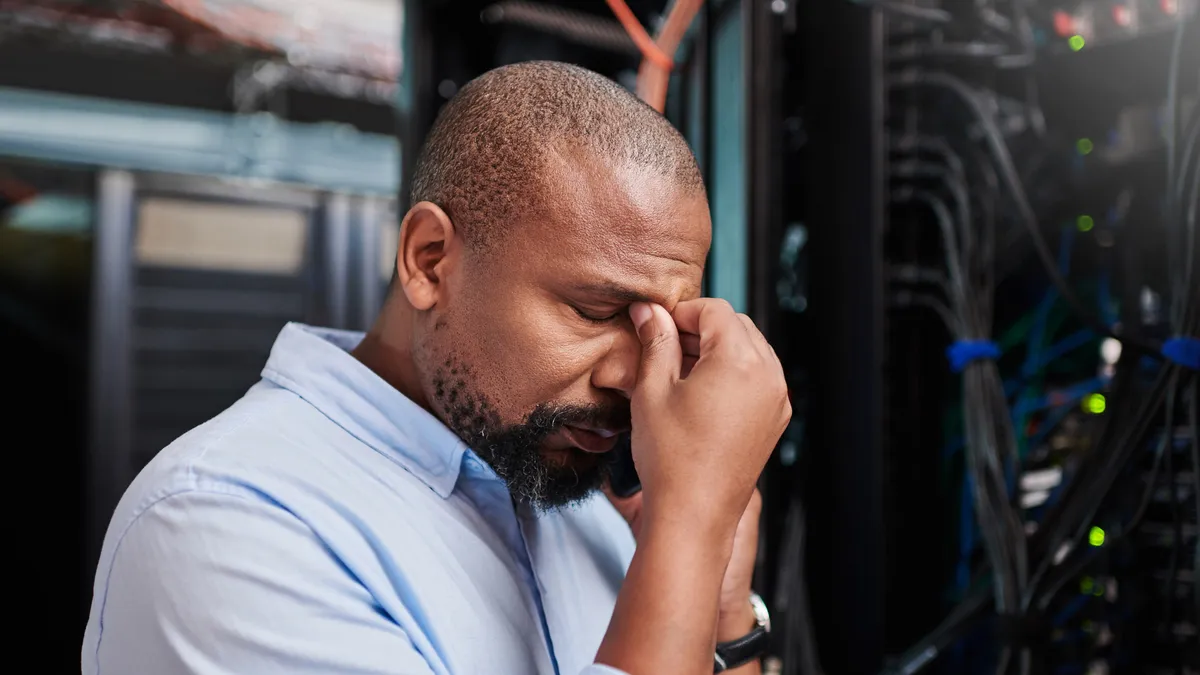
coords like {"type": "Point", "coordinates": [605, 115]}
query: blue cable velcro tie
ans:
{"type": "Point", "coordinates": [1183, 350]}
{"type": "Point", "coordinates": [963, 352]}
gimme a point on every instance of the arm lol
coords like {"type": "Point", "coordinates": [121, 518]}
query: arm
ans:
{"type": "Point", "coordinates": [666, 613]}
{"type": "Point", "coordinates": [700, 440]}
{"type": "Point", "coordinates": [736, 618]}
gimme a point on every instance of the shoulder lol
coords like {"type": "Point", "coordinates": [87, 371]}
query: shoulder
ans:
{"type": "Point", "coordinates": [271, 452]}
{"type": "Point", "coordinates": [270, 445]}
{"type": "Point", "coordinates": [221, 467]}
{"type": "Point", "coordinates": [272, 449]}
{"type": "Point", "coordinates": [234, 519]}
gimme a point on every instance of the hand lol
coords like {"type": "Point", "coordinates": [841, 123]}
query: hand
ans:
{"type": "Point", "coordinates": [700, 438]}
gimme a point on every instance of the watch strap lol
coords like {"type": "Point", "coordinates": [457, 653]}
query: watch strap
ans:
{"type": "Point", "coordinates": [741, 651]}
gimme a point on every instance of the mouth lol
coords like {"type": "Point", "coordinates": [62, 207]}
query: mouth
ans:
{"type": "Point", "coordinates": [596, 441]}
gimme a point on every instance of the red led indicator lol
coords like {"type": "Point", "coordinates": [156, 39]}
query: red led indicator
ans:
{"type": "Point", "coordinates": [1122, 16]}
{"type": "Point", "coordinates": [1064, 24]}
{"type": "Point", "coordinates": [1169, 6]}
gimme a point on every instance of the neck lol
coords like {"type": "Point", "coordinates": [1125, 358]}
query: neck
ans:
{"type": "Point", "coordinates": [387, 350]}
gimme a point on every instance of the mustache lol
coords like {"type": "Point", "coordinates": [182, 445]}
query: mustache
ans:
{"type": "Point", "coordinates": [548, 418]}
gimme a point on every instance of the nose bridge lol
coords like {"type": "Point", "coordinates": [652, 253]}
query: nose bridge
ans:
{"type": "Point", "coordinates": [619, 368]}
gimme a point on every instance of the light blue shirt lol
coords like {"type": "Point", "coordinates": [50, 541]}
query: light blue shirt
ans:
{"type": "Point", "coordinates": [327, 524]}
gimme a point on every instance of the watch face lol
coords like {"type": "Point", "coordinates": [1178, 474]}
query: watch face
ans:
{"type": "Point", "coordinates": [761, 615]}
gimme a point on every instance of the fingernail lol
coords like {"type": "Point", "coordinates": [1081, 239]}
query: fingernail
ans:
{"type": "Point", "coordinates": [640, 313]}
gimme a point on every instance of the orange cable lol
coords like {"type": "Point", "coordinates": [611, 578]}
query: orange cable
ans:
{"type": "Point", "coordinates": [676, 25]}
{"type": "Point", "coordinates": [652, 82]}
{"type": "Point", "coordinates": [650, 50]}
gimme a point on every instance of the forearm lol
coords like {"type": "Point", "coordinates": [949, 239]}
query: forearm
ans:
{"type": "Point", "coordinates": [666, 613]}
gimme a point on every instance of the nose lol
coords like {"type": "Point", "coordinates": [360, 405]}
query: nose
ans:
{"type": "Point", "coordinates": [618, 369]}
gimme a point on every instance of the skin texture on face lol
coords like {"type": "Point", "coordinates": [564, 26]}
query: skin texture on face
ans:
{"type": "Point", "coordinates": [526, 350]}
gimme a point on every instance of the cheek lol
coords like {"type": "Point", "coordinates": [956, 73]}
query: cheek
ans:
{"type": "Point", "coordinates": [534, 353]}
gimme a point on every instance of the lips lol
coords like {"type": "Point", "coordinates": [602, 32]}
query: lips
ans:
{"type": "Point", "coordinates": [591, 440]}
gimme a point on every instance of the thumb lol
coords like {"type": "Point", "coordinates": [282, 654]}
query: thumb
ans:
{"type": "Point", "coordinates": [662, 355]}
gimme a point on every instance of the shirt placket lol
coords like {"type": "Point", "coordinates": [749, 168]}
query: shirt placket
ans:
{"type": "Point", "coordinates": [496, 506]}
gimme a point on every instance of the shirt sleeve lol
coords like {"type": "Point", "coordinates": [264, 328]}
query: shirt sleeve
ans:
{"type": "Point", "coordinates": [597, 669]}
{"type": "Point", "coordinates": [219, 584]}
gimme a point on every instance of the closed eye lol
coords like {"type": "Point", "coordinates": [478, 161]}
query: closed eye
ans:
{"type": "Point", "coordinates": [595, 319]}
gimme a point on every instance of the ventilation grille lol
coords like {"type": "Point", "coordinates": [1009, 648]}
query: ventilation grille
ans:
{"type": "Point", "coordinates": [199, 341]}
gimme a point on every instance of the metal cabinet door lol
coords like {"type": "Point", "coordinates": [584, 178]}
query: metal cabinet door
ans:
{"type": "Point", "coordinates": [194, 277]}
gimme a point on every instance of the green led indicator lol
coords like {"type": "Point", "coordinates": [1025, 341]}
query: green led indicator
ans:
{"type": "Point", "coordinates": [1085, 223]}
{"type": "Point", "coordinates": [1085, 146]}
{"type": "Point", "coordinates": [1095, 404]}
{"type": "Point", "coordinates": [1076, 42]}
{"type": "Point", "coordinates": [1096, 536]}
{"type": "Point", "coordinates": [1087, 585]}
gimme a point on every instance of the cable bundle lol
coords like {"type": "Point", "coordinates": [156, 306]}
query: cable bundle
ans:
{"type": "Point", "coordinates": [1183, 202]}
{"type": "Point", "coordinates": [968, 285]}
{"type": "Point", "coordinates": [1028, 577]}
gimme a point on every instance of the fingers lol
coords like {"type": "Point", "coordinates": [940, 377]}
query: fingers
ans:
{"type": "Point", "coordinates": [716, 316]}
{"type": "Point", "coordinates": [712, 319]}
{"type": "Point", "coordinates": [690, 343]}
{"type": "Point", "coordinates": [704, 320]}
{"type": "Point", "coordinates": [689, 362]}
{"type": "Point", "coordinates": [662, 354]}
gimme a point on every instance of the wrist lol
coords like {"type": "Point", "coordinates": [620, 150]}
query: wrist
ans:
{"type": "Point", "coordinates": [735, 597]}
{"type": "Point", "coordinates": [706, 550]}
{"type": "Point", "coordinates": [739, 650]}
{"type": "Point", "coordinates": [736, 621]}
{"type": "Point", "coordinates": [700, 526]}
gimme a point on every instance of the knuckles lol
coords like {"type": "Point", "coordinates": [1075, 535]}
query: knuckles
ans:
{"type": "Point", "coordinates": [746, 362]}
{"type": "Point", "coordinates": [721, 305]}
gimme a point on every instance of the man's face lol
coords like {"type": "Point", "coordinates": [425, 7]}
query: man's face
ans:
{"type": "Point", "coordinates": [530, 355]}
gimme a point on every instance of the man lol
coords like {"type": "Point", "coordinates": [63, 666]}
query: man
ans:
{"type": "Point", "coordinates": [423, 499]}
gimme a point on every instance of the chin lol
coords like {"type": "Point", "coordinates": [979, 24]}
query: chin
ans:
{"type": "Point", "coordinates": [567, 477]}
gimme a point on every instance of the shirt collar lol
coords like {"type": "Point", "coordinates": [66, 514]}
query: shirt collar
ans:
{"type": "Point", "coordinates": [316, 365]}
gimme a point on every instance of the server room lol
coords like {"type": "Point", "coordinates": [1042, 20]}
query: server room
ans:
{"type": "Point", "coordinates": [602, 337]}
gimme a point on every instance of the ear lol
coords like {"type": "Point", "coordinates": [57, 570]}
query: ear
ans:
{"type": "Point", "coordinates": [427, 246]}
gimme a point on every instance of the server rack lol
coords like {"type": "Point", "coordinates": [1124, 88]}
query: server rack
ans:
{"type": "Point", "coordinates": [183, 321]}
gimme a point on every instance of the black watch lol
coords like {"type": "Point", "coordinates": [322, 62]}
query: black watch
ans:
{"type": "Point", "coordinates": [749, 647]}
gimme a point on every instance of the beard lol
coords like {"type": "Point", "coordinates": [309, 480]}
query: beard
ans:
{"type": "Point", "coordinates": [514, 451]}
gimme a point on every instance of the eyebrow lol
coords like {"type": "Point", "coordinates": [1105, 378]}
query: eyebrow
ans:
{"type": "Point", "coordinates": [612, 290]}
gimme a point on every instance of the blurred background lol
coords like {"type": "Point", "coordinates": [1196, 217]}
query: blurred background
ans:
{"type": "Point", "coordinates": [1015, 180]}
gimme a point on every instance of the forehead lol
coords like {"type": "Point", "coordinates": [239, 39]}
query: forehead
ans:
{"type": "Point", "coordinates": [618, 225]}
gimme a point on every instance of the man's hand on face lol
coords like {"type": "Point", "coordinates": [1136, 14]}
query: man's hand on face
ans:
{"type": "Point", "coordinates": [709, 405]}
{"type": "Point", "coordinates": [708, 408]}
